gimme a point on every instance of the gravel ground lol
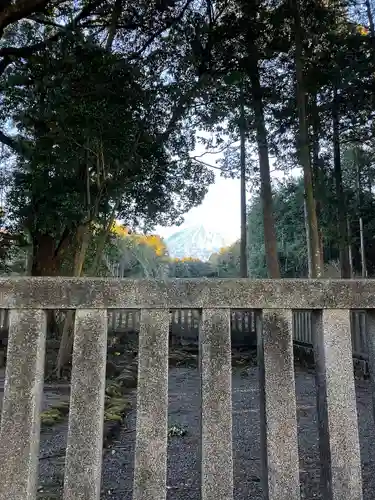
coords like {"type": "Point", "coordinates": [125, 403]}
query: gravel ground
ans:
{"type": "Point", "coordinates": [52, 394]}
{"type": "Point", "coordinates": [183, 452]}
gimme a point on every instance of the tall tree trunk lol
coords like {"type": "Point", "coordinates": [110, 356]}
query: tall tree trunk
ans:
{"type": "Point", "coordinates": [66, 341]}
{"type": "Point", "coordinates": [101, 243]}
{"type": "Point", "coordinates": [370, 18]}
{"type": "Point", "coordinates": [307, 230]}
{"type": "Point", "coordinates": [304, 150]}
{"type": "Point", "coordinates": [363, 252]}
{"type": "Point", "coordinates": [318, 179]}
{"type": "Point", "coordinates": [45, 262]}
{"type": "Point", "coordinates": [116, 13]}
{"type": "Point", "coordinates": [28, 253]}
{"type": "Point", "coordinates": [47, 257]}
{"type": "Point", "coordinates": [341, 205]}
{"type": "Point", "coordinates": [350, 250]}
{"type": "Point", "coordinates": [243, 241]}
{"type": "Point", "coordinates": [270, 240]}
{"type": "Point", "coordinates": [359, 214]}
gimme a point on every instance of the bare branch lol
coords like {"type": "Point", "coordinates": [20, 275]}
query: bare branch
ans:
{"type": "Point", "coordinates": [195, 158]}
{"type": "Point", "coordinates": [116, 13]}
{"type": "Point", "coordinates": [217, 151]}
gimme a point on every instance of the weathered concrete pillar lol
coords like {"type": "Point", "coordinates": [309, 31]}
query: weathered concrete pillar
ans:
{"type": "Point", "coordinates": [150, 468]}
{"type": "Point", "coordinates": [370, 342]}
{"type": "Point", "coordinates": [216, 393]}
{"type": "Point", "coordinates": [20, 421]}
{"type": "Point", "coordinates": [85, 434]}
{"type": "Point", "coordinates": [278, 415]}
{"type": "Point", "coordinates": [336, 401]}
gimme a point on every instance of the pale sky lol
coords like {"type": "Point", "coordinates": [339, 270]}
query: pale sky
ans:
{"type": "Point", "coordinates": [221, 208]}
{"type": "Point", "coordinates": [219, 212]}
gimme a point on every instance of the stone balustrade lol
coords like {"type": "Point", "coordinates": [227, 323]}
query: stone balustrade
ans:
{"type": "Point", "coordinates": [273, 300]}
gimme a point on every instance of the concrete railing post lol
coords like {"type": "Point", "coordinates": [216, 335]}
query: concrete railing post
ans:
{"type": "Point", "coordinates": [216, 392]}
{"type": "Point", "coordinates": [150, 468]}
{"type": "Point", "coordinates": [336, 401]}
{"type": "Point", "coordinates": [20, 421]}
{"type": "Point", "coordinates": [279, 444]}
{"type": "Point", "coordinates": [370, 341]}
{"type": "Point", "coordinates": [85, 434]}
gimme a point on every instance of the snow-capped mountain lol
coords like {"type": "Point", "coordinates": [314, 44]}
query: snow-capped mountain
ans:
{"type": "Point", "coordinates": [195, 242]}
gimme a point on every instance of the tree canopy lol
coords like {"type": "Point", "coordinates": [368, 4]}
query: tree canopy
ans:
{"type": "Point", "coordinates": [101, 102]}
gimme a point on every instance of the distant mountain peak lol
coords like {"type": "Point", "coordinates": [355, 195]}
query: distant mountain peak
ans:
{"type": "Point", "coordinates": [195, 241]}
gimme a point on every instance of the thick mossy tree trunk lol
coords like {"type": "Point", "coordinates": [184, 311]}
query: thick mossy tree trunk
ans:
{"type": "Point", "coordinates": [83, 239]}
{"type": "Point", "coordinates": [46, 260]}
{"type": "Point", "coordinates": [270, 239]}
{"type": "Point", "coordinates": [66, 342]}
{"type": "Point", "coordinates": [307, 230]}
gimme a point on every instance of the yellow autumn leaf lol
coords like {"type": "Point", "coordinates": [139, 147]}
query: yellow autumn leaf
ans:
{"type": "Point", "coordinates": [119, 230]}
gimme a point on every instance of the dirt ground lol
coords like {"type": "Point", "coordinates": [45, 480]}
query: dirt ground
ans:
{"type": "Point", "coordinates": [183, 452]}
{"type": "Point", "coordinates": [52, 394]}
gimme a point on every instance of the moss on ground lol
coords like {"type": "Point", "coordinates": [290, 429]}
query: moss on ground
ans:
{"type": "Point", "coordinates": [114, 390]}
{"type": "Point", "coordinates": [115, 409]}
{"type": "Point", "coordinates": [54, 414]}
{"type": "Point", "coordinates": [116, 404]}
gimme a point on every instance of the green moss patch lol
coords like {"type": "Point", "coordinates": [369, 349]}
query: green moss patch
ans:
{"type": "Point", "coordinates": [116, 405]}
{"type": "Point", "coordinates": [55, 414]}
{"type": "Point", "coordinates": [114, 390]}
{"type": "Point", "coordinates": [115, 409]}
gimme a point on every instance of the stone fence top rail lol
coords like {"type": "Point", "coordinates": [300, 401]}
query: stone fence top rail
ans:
{"type": "Point", "coordinates": [199, 293]}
